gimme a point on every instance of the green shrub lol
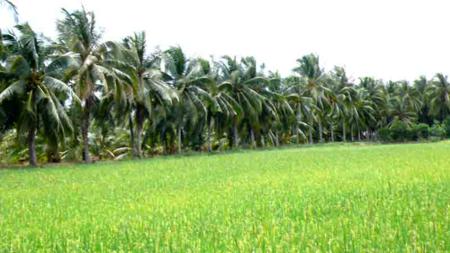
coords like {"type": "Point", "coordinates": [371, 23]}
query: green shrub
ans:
{"type": "Point", "coordinates": [419, 131]}
{"type": "Point", "coordinates": [384, 135]}
{"type": "Point", "coordinates": [438, 131]}
{"type": "Point", "coordinates": [399, 131]}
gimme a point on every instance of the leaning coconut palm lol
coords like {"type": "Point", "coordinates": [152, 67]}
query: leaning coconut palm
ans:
{"type": "Point", "coordinates": [78, 33]}
{"type": "Point", "coordinates": [439, 96]}
{"type": "Point", "coordinates": [188, 77]}
{"type": "Point", "coordinates": [146, 87]}
{"type": "Point", "coordinates": [36, 86]}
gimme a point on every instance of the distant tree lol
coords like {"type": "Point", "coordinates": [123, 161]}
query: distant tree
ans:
{"type": "Point", "coordinates": [439, 97]}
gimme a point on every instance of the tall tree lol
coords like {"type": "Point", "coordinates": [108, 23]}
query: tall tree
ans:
{"type": "Point", "coordinates": [189, 79]}
{"type": "Point", "coordinates": [242, 77]}
{"type": "Point", "coordinates": [36, 86]}
{"type": "Point", "coordinates": [315, 87]}
{"type": "Point", "coordinates": [146, 86]}
{"type": "Point", "coordinates": [78, 33]}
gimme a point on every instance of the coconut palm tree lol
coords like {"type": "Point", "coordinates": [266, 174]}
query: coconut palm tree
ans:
{"type": "Point", "coordinates": [36, 86]}
{"type": "Point", "coordinates": [377, 94]}
{"type": "Point", "coordinates": [221, 107]}
{"type": "Point", "coordinates": [315, 87]}
{"type": "Point", "coordinates": [338, 85]}
{"type": "Point", "coordinates": [438, 94]}
{"type": "Point", "coordinates": [188, 77]}
{"type": "Point", "coordinates": [302, 104]}
{"type": "Point", "coordinates": [421, 86]}
{"type": "Point", "coordinates": [78, 33]}
{"type": "Point", "coordinates": [400, 110]}
{"type": "Point", "coordinates": [361, 112]}
{"type": "Point", "coordinates": [145, 86]}
{"type": "Point", "coordinates": [242, 78]}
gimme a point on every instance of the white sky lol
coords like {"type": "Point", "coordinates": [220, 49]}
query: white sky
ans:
{"type": "Point", "coordinates": [389, 39]}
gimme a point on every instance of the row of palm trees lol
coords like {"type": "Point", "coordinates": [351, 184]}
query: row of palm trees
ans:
{"type": "Point", "coordinates": [79, 95]}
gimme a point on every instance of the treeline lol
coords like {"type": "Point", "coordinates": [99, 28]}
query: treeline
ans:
{"type": "Point", "coordinates": [80, 98]}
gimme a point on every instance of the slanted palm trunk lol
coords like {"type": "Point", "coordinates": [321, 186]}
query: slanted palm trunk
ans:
{"type": "Point", "coordinates": [85, 129]}
{"type": "Point", "coordinates": [140, 118]}
{"type": "Point", "coordinates": [32, 146]}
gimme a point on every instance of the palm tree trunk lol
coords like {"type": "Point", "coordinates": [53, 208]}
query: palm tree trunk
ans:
{"type": "Point", "coordinates": [139, 129]}
{"type": "Point", "coordinates": [32, 146]}
{"type": "Point", "coordinates": [53, 152]}
{"type": "Point", "coordinates": [235, 135]}
{"type": "Point", "coordinates": [209, 136]}
{"type": "Point", "coordinates": [310, 135]}
{"type": "Point", "coordinates": [277, 140]}
{"type": "Point", "coordinates": [252, 137]}
{"type": "Point", "coordinates": [179, 139]}
{"type": "Point", "coordinates": [344, 132]}
{"type": "Point", "coordinates": [332, 133]}
{"type": "Point", "coordinates": [359, 134]}
{"type": "Point", "coordinates": [320, 131]}
{"type": "Point", "coordinates": [351, 132]}
{"type": "Point", "coordinates": [132, 139]}
{"type": "Point", "coordinates": [85, 129]}
{"type": "Point", "coordinates": [299, 118]}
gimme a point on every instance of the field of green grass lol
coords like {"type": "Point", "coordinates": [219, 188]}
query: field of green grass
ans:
{"type": "Point", "coordinates": [353, 198]}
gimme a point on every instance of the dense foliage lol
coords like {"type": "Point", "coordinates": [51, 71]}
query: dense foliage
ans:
{"type": "Point", "coordinates": [80, 98]}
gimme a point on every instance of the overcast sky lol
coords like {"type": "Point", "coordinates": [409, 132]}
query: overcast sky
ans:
{"type": "Point", "coordinates": [388, 39]}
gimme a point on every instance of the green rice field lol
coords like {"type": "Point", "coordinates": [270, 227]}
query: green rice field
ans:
{"type": "Point", "coordinates": [326, 198]}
